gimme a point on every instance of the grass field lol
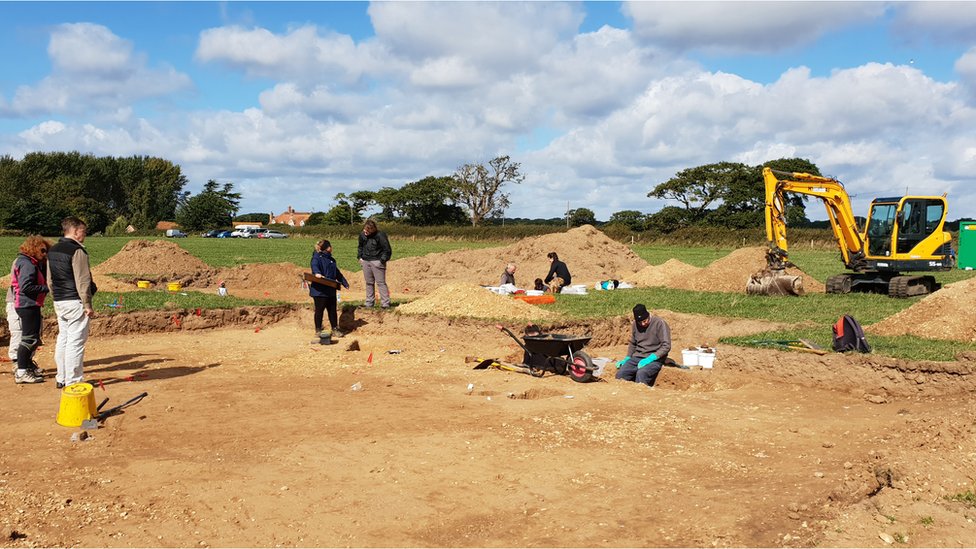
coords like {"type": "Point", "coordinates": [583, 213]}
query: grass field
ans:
{"type": "Point", "coordinates": [812, 315]}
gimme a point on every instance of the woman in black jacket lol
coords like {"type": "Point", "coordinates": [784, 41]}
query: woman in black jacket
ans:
{"type": "Point", "coordinates": [29, 288]}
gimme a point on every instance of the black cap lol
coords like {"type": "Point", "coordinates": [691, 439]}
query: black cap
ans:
{"type": "Point", "coordinates": [640, 313]}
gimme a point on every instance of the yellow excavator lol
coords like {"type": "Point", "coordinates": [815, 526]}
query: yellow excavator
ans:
{"type": "Point", "coordinates": [901, 234]}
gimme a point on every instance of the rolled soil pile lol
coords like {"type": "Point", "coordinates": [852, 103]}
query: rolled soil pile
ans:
{"type": "Point", "coordinates": [590, 255]}
{"type": "Point", "coordinates": [945, 314]}
{"type": "Point", "coordinates": [664, 274]}
{"type": "Point", "coordinates": [154, 259]}
{"type": "Point", "coordinates": [470, 300]}
{"type": "Point", "coordinates": [730, 273]}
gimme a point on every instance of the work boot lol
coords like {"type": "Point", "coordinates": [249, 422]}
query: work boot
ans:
{"type": "Point", "coordinates": [27, 377]}
{"type": "Point", "coordinates": [337, 333]}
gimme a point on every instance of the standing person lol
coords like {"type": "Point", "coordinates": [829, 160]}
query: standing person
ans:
{"type": "Point", "coordinates": [373, 253]}
{"type": "Point", "coordinates": [29, 288]}
{"type": "Point", "coordinates": [558, 274]}
{"type": "Point", "coordinates": [650, 343]}
{"type": "Point", "coordinates": [13, 325]}
{"type": "Point", "coordinates": [508, 275]}
{"type": "Point", "coordinates": [324, 296]}
{"type": "Point", "coordinates": [72, 288]}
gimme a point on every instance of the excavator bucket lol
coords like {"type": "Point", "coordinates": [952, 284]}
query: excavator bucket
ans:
{"type": "Point", "coordinates": [771, 282]}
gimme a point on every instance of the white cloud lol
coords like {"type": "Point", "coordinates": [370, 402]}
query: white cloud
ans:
{"type": "Point", "coordinates": [966, 68]}
{"type": "Point", "coordinates": [93, 70]}
{"type": "Point", "coordinates": [736, 27]}
{"type": "Point", "coordinates": [937, 21]}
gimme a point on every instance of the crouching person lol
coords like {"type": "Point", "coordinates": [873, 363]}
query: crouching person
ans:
{"type": "Point", "coordinates": [650, 343]}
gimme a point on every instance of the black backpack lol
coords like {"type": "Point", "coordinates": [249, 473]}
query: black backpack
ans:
{"type": "Point", "coordinates": [849, 336]}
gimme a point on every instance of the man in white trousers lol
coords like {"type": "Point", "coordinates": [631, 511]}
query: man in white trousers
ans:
{"type": "Point", "coordinates": [70, 279]}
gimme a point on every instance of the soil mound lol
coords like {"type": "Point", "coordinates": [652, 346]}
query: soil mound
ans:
{"type": "Point", "coordinates": [945, 314]}
{"type": "Point", "coordinates": [470, 300]}
{"type": "Point", "coordinates": [730, 273]}
{"type": "Point", "coordinates": [590, 255]}
{"type": "Point", "coordinates": [664, 274]}
{"type": "Point", "coordinates": [281, 281]}
{"type": "Point", "coordinates": [157, 260]}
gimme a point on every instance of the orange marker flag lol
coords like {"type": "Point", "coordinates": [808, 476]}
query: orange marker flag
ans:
{"type": "Point", "coordinates": [369, 360]}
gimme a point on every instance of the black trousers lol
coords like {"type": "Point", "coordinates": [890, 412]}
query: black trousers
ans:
{"type": "Point", "coordinates": [326, 303]}
{"type": "Point", "coordinates": [30, 329]}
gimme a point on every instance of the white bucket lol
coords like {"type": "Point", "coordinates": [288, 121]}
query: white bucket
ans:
{"type": "Point", "coordinates": [689, 357]}
{"type": "Point", "coordinates": [600, 364]}
{"type": "Point", "coordinates": [706, 360]}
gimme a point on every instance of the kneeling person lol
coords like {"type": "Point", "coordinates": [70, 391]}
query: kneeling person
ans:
{"type": "Point", "coordinates": [650, 343]}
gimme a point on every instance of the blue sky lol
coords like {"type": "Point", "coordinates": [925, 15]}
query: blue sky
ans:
{"type": "Point", "coordinates": [294, 102]}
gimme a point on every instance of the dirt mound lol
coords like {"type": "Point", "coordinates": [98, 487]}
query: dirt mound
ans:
{"type": "Point", "coordinates": [263, 280]}
{"type": "Point", "coordinates": [664, 274]}
{"type": "Point", "coordinates": [590, 255]}
{"type": "Point", "coordinates": [946, 314]}
{"type": "Point", "coordinates": [157, 260]}
{"type": "Point", "coordinates": [730, 273]}
{"type": "Point", "coordinates": [470, 300]}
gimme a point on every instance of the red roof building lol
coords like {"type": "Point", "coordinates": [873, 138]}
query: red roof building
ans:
{"type": "Point", "coordinates": [293, 218]}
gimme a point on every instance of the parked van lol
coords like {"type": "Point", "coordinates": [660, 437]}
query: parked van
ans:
{"type": "Point", "coordinates": [175, 233]}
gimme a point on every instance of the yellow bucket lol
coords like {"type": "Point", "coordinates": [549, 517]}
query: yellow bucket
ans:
{"type": "Point", "coordinates": [143, 284]}
{"type": "Point", "coordinates": [174, 286]}
{"type": "Point", "coordinates": [77, 405]}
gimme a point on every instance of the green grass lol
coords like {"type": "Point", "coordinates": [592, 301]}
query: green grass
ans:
{"type": "Point", "coordinates": [968, 497]}
{"type": "Point", "coordinates": [698, 257]}
{"type": "Point", "coordinates": [226, 252]}
{"type": "Point", "coordinates": [148, 300]}
{"type": "Point", "coordinates": [927, 521]}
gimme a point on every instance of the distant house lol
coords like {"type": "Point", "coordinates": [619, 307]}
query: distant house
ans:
{"type": "Point", "coordinates": [130, 229]}
{"type": "Point", "coordinates": [166, 225]}
{"type": "Point", "coordinates": [293, 218]}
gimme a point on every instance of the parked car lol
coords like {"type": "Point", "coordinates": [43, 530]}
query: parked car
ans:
{"type": "Point", "coordinates": [211, 234]}
{"type": "Point", "coordinates": [253, 233]}
{"type": "Point", "coordinates": [175, 233]}
{"type": "Point", "coordinates": [272, 234]}
{"type": "Point", "coordinates": [225, 234]}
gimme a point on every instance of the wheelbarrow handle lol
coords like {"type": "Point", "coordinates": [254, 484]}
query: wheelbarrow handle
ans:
{"type": "Point", "coordinates": [513, 336]}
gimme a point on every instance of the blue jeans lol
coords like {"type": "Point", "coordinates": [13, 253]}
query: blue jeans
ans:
{"type": "Point", "coordinates": [646, 375]}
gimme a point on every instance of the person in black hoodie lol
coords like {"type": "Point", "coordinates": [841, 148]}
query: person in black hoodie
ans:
{"type": "Point", "coordinates": [558, 274]}
{"type": "Point", "coordinates": [72, 287]}
{"type": "Point", "coordinates": [650, 343]}
{"type": "Point", "coordinates": [373, 252]}
{"type": "Point", "coordinates": [324, 295]}
{"type": "Point", "coordinates": [29, 288]}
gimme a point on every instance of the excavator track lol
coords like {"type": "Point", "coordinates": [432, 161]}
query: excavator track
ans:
{"type": "Point", "coordinates": [909, 286]}
{"type": "Point", "coordinates": [840, 284]}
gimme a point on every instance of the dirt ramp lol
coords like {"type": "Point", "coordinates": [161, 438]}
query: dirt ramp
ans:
{"type": "Point", "coordinates": [460, 299]}
{"type": "Point", "coordinates": [158, 261]}
{"type": "Point", "coordinates": [946, 314]}
{"type": "Point", "coordinates": [730, 273]}
{"type": "Point", "coordinates": [589, 254]}
{"type": "Point", "coordinates": [282, 281]}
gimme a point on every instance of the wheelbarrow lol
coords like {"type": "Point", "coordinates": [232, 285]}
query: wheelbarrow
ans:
{"type": "Point", "coordinates": [557, 353]}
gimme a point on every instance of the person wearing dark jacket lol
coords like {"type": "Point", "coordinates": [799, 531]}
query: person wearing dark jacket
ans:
{"type": "Point", "coordinates": [373, 252]}
{"type": "Point", "coordinates": [29, 288]}
{"type": "Point", "coordinates": [558, 274]}
{"type": "Point", "coordinates": [325, 296]}
{"type": "Point", "coordinates": [72, 287]}
{"type": "Point", "coordinates": [650, 343]}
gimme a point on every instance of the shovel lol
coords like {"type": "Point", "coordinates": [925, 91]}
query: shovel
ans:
{"type": "Point", "coordinates": [484, 364]}
{"type": "Point", "coordinates": [93, 423]}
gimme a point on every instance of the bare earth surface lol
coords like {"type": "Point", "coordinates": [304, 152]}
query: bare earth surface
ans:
{"type": "Point", "coordinates": [252, 436]}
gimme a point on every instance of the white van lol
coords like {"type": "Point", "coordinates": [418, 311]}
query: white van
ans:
{"type": "Point", "coordinates": [175, 233]}
{"type": "Point", "coordinates": [253, 233]}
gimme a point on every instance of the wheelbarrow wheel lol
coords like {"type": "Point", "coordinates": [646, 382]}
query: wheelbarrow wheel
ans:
{"type": "Point", "coordinates": [581, 369]}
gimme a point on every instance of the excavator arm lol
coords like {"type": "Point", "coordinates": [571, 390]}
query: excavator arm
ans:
{"type": "Point", "coordinates": [839, 212]}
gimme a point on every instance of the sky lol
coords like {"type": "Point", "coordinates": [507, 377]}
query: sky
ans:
{"type": "Point", "coordinates": [294, 102]}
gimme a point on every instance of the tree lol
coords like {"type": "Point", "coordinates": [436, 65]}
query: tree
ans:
{"type": "Point", "coordinates": [254, 217]}
{"type": "Point", "coordinates": [355, 203]}
{"type": "Point", "coordinates": [479, 187]}
{"type": "Point", "coordinates": [213, 207]}
{"type": "Point", "coordinates": [431, 201]}
{"type": "Point", "coordinates": [632, 219]}
{"type": "Point", "coordinates": [338, 215]}
{"type": "Point", "coordinates": [581, 216]}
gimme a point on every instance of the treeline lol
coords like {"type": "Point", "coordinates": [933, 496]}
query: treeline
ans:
{"type": "Point", "coordinates": [43, 188]}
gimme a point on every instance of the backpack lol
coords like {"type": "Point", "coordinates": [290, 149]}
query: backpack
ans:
{"type": "Point", "coordinates": [849, 336]}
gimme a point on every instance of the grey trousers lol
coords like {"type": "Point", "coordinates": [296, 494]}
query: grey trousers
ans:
{"type": "Point", "coordinates": [374, 272]}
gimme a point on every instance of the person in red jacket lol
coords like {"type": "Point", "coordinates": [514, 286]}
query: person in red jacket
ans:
{"type": "Point", "coordinates": [29, 288]}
